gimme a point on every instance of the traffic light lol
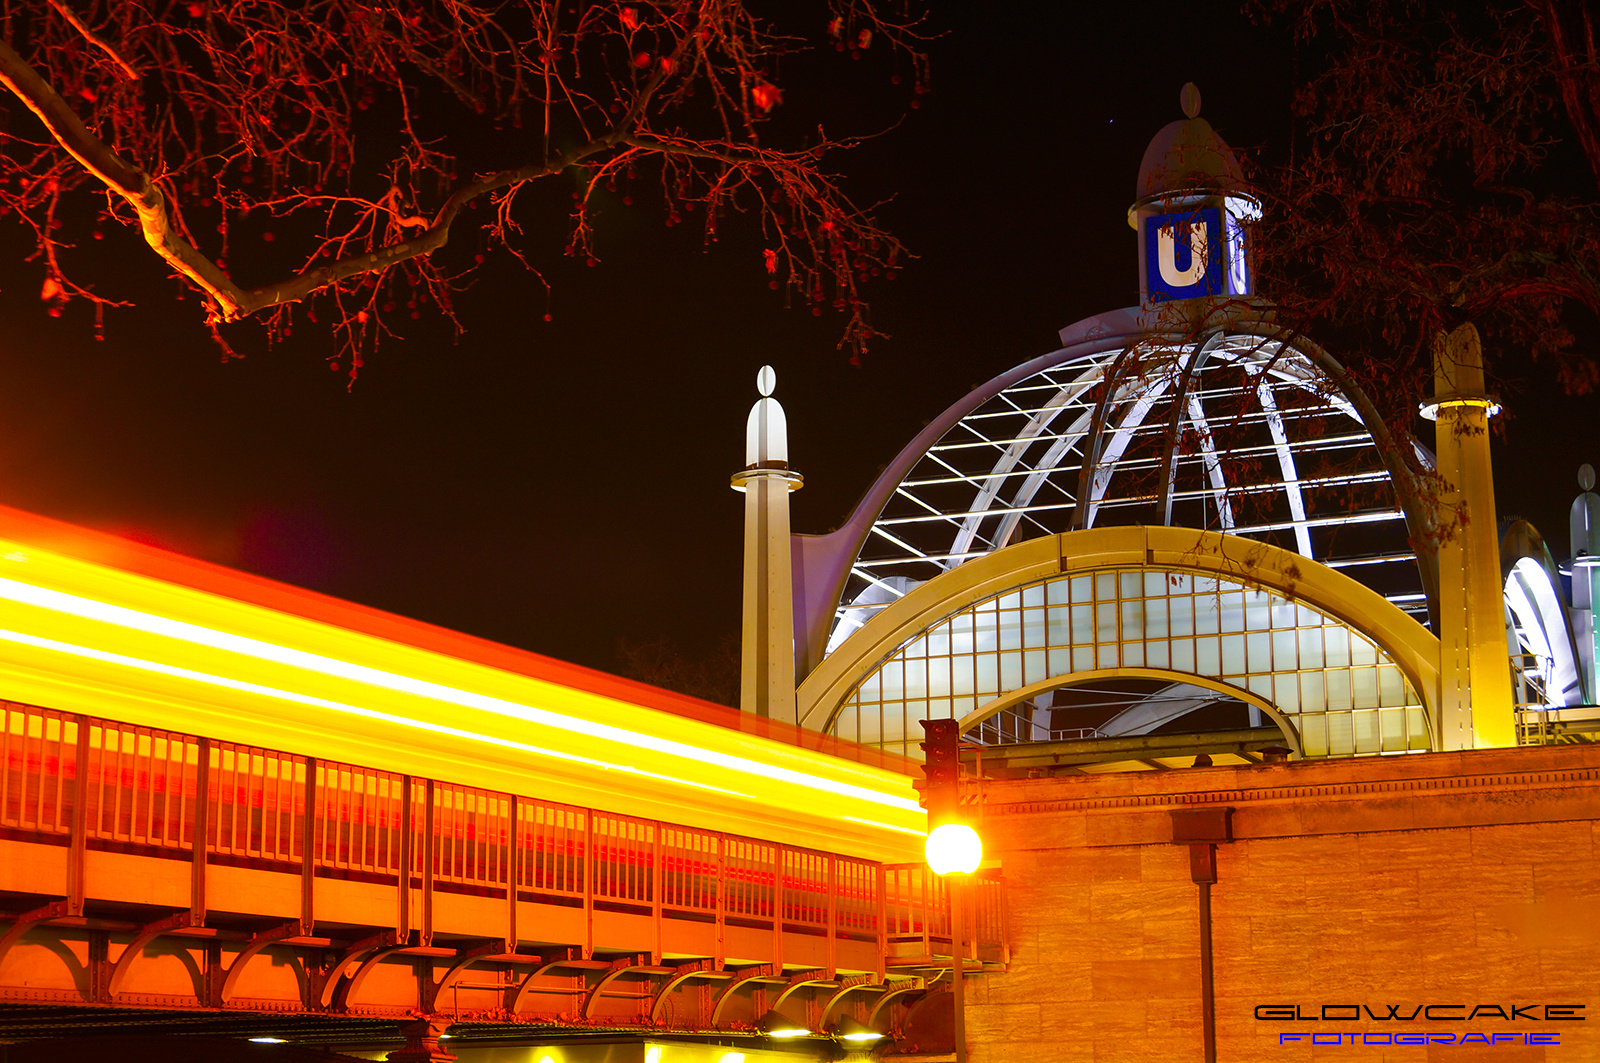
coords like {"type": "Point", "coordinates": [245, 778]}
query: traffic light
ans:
{"type": "Point", "coordinates": [941, 767]}
{"type": "Point", "coordinates": [952, 846]}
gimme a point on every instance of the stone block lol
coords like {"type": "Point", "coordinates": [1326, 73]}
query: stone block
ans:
{"type": "Point", "coordinates": [1233, 861]}
{"type": "Point", "coordinates": [1046, 831]}
{"type": "Point", "coordinates": [1114, 863]}
{"type": "Point", "coordinates": [1567, 878]}
{"type": "Point", "coordinates": [1318, 854]}
{"type": "Point", "coordinates": [1031, 1052]}
{"type": "Point", "coordinates": [1052, 982]}
{"type": "Point", "coordinates": [1145, 979]}
{"type": "Point", "coordinates": [1164, 863]}
{"type": "Point", "coordinates": [1172, 938]}
{"type": "Point", "coordinates": [1268, 820]}
{"type": "Point", "coordinates": [1360, 816]}
{"type": "Point", "coordinates": [1372, 891]}
{"type": "Point", "coordinates": [1527, 843]}
{"type": "Point", "coordinates": [1003, 1022]}
{"type": "Point", "coordinates": [1123, 1022]}
{"type": "Point", "coordinates": [1260, 893]}
{"type": "Point", "coordinates": [1094, 941]}
{"type": "Point", "coordinates": [1129, 827]}
{"type": "Point", "coordinates": [1479, 884]}
{"type": "Point", "coordinates": [1131, 901]}
{"type": "Point", "coordinates": [1414, 849]}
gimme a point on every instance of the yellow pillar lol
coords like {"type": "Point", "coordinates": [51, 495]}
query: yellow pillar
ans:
{"type": "Point", "coordinates": [1475, 706]}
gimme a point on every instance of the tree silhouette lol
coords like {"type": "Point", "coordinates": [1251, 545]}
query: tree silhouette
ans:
{"type": "Point", "coordinates": [359, 136]}
{"type": "Point", "coordinates": [1438, 178]}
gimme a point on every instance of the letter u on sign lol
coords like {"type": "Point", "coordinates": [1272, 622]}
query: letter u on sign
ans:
{"type": "Point", "coordinates": [1173, 276]}
{"type": "Point", "coordinates": [1183, 254]}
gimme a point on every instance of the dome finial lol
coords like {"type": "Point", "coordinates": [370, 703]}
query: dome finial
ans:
{"type": "Point", "coordinates": [1189, 100]}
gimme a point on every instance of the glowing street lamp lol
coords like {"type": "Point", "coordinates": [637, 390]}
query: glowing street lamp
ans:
{"type": "Point", "coordinates": [953, 849]}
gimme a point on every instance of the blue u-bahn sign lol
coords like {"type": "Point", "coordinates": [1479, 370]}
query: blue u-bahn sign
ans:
{"type": "Point", "coordinates": [1193, 254]}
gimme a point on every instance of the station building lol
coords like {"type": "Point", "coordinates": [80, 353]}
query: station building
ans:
{"type": "Point", "coordinates": [1266, 761]}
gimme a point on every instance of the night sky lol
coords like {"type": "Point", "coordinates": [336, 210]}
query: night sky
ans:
{"type": "Point", "coordinates": [563, 486]}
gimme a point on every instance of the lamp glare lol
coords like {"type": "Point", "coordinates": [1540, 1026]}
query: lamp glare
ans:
{"type": "Point", "coordinates": [954, 848]}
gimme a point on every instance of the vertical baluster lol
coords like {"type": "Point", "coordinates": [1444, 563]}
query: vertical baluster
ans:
{"type": "Point", "coordinates": [655, 892]}
{"type": "Point", "coordinates": [78, 832]}
{"type": "Point", "coordinates": [721, 843]}
{"type": "Point", "coordinates": [201, 834]}
{"type": "Point", "coordinates": [513, 863]}
{"type": "Point", "coordinates": [833, 915]}
{"type": "Point", "coordinates": [777, 908]}
{"type": "Point", "coordinates": [403, 919]}
{"type": "Point", "coordinates": [429, 856]}
{"type": "Point", "coordinates": [309, 824]}
{"type": "Point", "coordinates": [880, 910]}
{"type": "Point", "coordinates": [588, 884]}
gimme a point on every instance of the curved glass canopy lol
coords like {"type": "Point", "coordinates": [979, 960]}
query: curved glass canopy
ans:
{"type": "Point", "coordinates": [1236, 432]}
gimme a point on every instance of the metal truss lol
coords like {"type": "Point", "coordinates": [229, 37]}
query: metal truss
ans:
{"type": "Point", "coordinates": [1235, 433]}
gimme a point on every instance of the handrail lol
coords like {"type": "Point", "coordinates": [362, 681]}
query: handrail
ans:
{"type": "Point", "coordinates": [140, 786]}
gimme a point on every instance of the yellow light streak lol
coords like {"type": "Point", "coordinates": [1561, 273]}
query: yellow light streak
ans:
{"type": "Point", "coordinates": [355, 710]}
{"type": "Point", "coordinates": [885, 826]}
{"type": "Point", "coordinates": [194, 634]}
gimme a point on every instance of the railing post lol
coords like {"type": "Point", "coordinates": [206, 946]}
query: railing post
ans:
{"type": "Point", "coordinates": [655, 893]}
{"type": "Point", "coordinates": [403, 918]}
{"type": "Point", "coordinates": [882, 882]}
{"type": "Point", "coordinates": [78, 838]}
{"type": "Point", "coordinates": [722, 900]}
{"type": "Point", "coordinates": [777, 909]}
{"type": "Point", "coordinates": [428, 856]}
{"type": "Point", "coordinates": [202, 833]}
{"type": "Point", "coordinates": [308, 852]}
{"type": "Point", "coordinates": [833, 915]}
{"type": "Point", "coordinates": [588, 883]}
{"type": "Point", "coordinates": [513, 875]}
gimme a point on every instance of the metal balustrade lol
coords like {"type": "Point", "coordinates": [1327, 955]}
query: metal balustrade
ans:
{"type": "Point", "coordinates": [140, 790]}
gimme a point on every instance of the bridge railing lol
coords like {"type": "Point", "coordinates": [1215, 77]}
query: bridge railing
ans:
{"type": "Point", "coordinates": [140, 791]}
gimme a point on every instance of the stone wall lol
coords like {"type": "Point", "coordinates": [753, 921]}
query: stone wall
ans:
{"type": "Point", "coordinates": [1469, 878]}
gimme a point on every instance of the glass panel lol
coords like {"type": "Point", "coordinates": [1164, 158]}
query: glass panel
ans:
{"type": "Point", "coordinates": [1364, 687]}
{"type": "Point", "coordinates": [1180, 611]}
{"type": "Point", "coordinates": [1258, 651]}
{"type": "Point", "coordinates": [1336, 646]}
{"type": "Point", "coordinates": [1105, 623]}
{"type": "Point", "coordinates": [1033, 628]}
{"type": "Point", "coordinates": [1286, 692]}
{"type": "Point", "coordinates": [1338, 687]}
{"type": "Point", "coordinates": [1035, 667]}
{"type": "Point", "coordinates": [1341, 738]}
{"type": "Point", "coordinates": [1284, 646]}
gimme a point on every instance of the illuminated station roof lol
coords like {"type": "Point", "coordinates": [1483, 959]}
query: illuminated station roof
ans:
{"type": "Point", "coordinates": [1194, 409]}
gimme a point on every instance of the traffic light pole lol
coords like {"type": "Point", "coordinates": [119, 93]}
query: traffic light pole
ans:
{"type": "Point", "coordinates": [941, 770]}
{"type": "Point", "coordinates": [958, 946]}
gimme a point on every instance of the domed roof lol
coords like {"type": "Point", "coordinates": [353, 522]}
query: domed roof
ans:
{"type": "Point", "coordinates": [1188, 154]}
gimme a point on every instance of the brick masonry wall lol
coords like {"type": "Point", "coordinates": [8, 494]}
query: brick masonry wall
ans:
{"type": "Point", "coordinates": [1443, 878]}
